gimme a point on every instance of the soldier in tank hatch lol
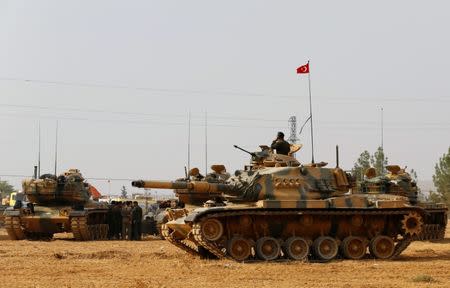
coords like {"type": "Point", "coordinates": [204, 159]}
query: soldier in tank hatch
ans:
{"type": "Point", "coordinates": [280, 145]}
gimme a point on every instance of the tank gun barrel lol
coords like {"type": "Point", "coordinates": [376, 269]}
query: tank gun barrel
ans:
{"type": "Point", "coordinates": [242, 149]}
{"type": "Point", "coordinates": [197, 186]}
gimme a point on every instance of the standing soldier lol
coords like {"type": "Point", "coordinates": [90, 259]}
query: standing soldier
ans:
{"type": "Point", "coordinates": [137, 221]}
{"type": "Point", "coordinates": [117, 220]}
{"type": "Point", "coordinates": [110, 220]}
{"type": "Point", "coordinates": [126, 221]}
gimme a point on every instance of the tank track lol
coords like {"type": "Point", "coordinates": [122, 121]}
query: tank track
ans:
{"type": "Point", "coordinates": [14, 228]}
{"type": "Point", "coordinates": [401, 246]}
{"type": "Point", "coordinates": [430, 232]}
{"type": "Point", "coordinates": [182, 244]}
{"type": "Point", "coordinates": [210, 246]}
{"type": "Point", "coordinates": [84, 232]}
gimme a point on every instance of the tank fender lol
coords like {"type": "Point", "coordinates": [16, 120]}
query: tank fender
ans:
{"type": "Point", "coordinates": [11, 212]}
{"type": "Point", "coordinates": [196, 214]}
{"type": "Point", "coordinates": [75, 213]}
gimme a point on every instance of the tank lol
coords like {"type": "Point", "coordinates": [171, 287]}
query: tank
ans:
{"type": "Point", "coordinates": [277, 208]}
{"type": "Point", "coordinates": [55, 205]}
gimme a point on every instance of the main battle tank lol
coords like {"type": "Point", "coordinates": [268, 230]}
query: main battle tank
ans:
{"type": "Point", "coordinates": [282, 209]}
{"type": "Point", "coordinates": [57, 204]}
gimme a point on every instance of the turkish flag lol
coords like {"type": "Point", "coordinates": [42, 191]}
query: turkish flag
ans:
{"type": "Point", "coordinates": [303, 69]}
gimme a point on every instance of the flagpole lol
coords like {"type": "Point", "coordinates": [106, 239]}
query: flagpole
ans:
{"type": "Point", "coordinates": [310, 114]}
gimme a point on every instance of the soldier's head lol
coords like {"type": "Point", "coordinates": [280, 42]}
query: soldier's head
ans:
{"type": "Point", "coordinates": [135, 203]}
{"type": "Point", "coordinates": [280, 135]}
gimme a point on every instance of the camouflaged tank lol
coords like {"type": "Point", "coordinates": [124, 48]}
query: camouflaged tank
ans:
{"type": "Point", "coordinates": [57, 204]}
{"type": "Point", "coordinates": [277, 208]}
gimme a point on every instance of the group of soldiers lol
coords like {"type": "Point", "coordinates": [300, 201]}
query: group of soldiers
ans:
{"type": "Point", "coordinates": [125, 220]}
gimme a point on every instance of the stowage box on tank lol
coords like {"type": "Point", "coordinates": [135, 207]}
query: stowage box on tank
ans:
{"type": "Point", "coordinates": [282, 209]}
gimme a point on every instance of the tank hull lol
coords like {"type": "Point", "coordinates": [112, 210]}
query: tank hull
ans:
{"type": "Point", "coordinates": [321, 234]}
{"type": "Point", "coordinates": [43, 222]}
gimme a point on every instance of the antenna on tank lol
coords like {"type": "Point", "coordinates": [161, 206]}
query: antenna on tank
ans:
{"type": "Point", "coordinates": [206, 142]}
{"type": "Point", "coordinates": [189, 141]}
{"type": "Point", "coordinates": [39, 150]}
{"type": "Point", "coordinates": [382, 129]}
{"type": "Point", "coordinates": [337, 156]}
{"type": "Point", "coordinates": [56, 147]}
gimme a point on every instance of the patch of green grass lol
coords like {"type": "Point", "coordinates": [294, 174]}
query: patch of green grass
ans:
{"type": "Point", "coordinates": [424, 278]}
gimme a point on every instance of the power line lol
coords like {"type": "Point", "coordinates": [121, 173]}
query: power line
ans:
{"type": "Point", "coordinates": [342, 125]}
{"type": "Point", "coordinates": [87, 178]}
{"type": "Point", "coordinates": [136, 113]}
{"type": "Point", "coordinates": [135, 122]}
{"type": "Point", "coordinates": [127, 87]}
{"type": "Point", "coordinates": [230, 93]}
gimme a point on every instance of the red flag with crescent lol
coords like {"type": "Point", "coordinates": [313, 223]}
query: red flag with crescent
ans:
{"type": "Point", "coordinates": [303, 69]}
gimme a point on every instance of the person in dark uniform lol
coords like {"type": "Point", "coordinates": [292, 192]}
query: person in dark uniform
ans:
{"type": "Point", "coordinates": [136, 217]}
{"type": "Point", "coordinates": [117, 220]}
{"type": "Point", "coordinates": [280, 145]}
{"type": "Point", "coordinates": [110, 218]}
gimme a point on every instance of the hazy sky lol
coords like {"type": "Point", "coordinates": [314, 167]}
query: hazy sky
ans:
{"type": "Point", "coordinates": [121, 77]}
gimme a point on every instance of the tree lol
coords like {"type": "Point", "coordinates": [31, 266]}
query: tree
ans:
{"type": "Point", "coordinates": [361, 165]}
{"type": "Point", "coordinates": [378, 161]}
{"type": "Point", "coordinates": [441, 179]}
{"type": "Point", "coordinates": [6, 189]}
{"type": "Point", "coordinates": [123, 192]}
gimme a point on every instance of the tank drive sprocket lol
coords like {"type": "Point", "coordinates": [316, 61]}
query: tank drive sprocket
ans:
{"type": "Point", "coordinates": [412, 224]}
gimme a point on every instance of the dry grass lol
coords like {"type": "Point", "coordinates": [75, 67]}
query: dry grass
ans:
{"type": "Point", "coordinates": [155, 263]}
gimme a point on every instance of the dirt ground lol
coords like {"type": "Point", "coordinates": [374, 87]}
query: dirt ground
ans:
{"type": "Point", "coordinates": [155, 263]}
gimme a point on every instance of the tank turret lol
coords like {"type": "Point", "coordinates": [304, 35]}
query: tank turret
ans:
{"type": "Point", "coordinates": [396, 182]}
{"type": "Point", "coordinates": [68, 188]}
{"type": "Point", "coordinates": [271, 183]}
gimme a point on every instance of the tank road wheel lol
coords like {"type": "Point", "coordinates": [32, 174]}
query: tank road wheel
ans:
{"type": "Point", "coordinates": [212, 229]}
{"type": "Point", "coordinates": [239, 248]}
{"type": "Point", "coordinates": [412, 224]}
{"type": "Point", "coordinates": [296, 248]}
{"type": "Point", "coordinates": [354, 247]}
{"type": "Point", "coordinates": [267, 248]}
{"type": "Point", "coordinates": [382, 247]}
{"type": "Point", "coordinates": [325, 247]}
